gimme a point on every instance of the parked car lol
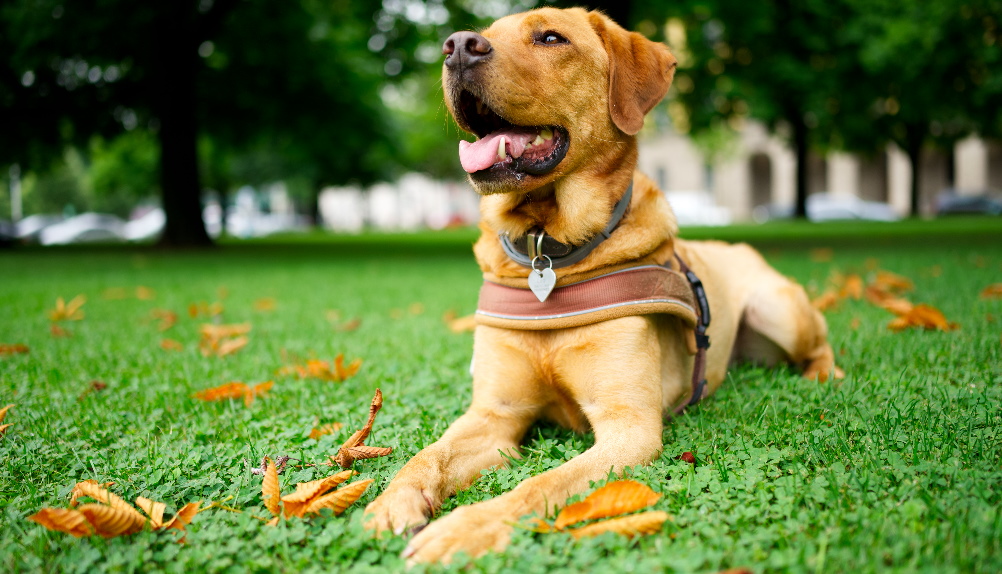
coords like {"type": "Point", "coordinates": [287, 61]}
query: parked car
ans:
{"type": "Point", "coordinates": [86, 227]}
{"type": "Point", "coordinates": [27, 229]}
{"type": "Point", "coordinates": [697, 208]}
{"type": "Point", "coordinates": [830, 207]}
{"type": "Point", "coordinates": [951, 203]}
{"type": "Point", "coordinates": [148, 225]}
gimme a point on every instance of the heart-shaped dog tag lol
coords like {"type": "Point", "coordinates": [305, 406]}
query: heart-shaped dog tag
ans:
{"type": "Point", "coordinates": [541, 281]}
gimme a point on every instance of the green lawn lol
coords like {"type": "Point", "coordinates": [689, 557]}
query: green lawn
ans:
{"type": "Point", "coordinates": [898, 467]}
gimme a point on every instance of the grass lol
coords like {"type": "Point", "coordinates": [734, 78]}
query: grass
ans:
{"type": "Point", "coordinates": [896, 468]}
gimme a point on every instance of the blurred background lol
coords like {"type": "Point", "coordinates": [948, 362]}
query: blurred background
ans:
{"type": "Point", "coordinates": [179, 121]}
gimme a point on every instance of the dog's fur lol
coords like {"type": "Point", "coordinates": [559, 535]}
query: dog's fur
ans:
{"type": "Point", "coordinates": [618, 377]}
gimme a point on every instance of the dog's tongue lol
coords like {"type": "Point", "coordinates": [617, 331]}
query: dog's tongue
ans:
{"type": "Point", "coordinates": [484, 152]}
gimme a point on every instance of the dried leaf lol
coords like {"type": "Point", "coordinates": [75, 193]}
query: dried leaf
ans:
{"type": "Point", "coordinates": [265, 304]}
{"type": "Point", "coordinates": [306, 492]}
{"type": "Point", "coordinates": [883, 298]}
{"type": "Point", "coordinates": [145, 293]}
{"type": "Point", "coordinates": [416, 308]}
{"type": "Point", "coordinates": [14, 349]}
{"type": "Point", "coordinates": [3, 412]}
{"type": "Point", "coordinates": [686, 457]}
{"type": "Point", "coordinates": [3, 428]}
{"type": "Point", "coordinates": [893, 282]}
{"type": "Point", "coordinates": [93, 387]}
{"type": "Point", "coordinates": [102, 495]}
{"type": "Point", "coordinates": [68, 311]}
{"type": "Point", "coordinates": [329, 428]}
{"type": "Point", "coordinates": [171, 345]}
{"type": "Point", "coordinates": [349, 325]}
{"type": "Point", "coordinates": [273, 521]}
{"type": "Point", "coordinates": [924, 316]}
{"type": "Point", "coordinates": [153, 509]}
{"type": "Point", "coordinates": [234, 390]}
{"type": "Point", "coordinates": [68, 520]}
{"type": "Point", "coordinates": [614, 498]}
{"type": "Point", "coordinates": [110, 521]}
{"type": "Point", "coordinates": [638, 524]}
{"type": "Point", "coordinates": [58, 331]}
{"type": "Point", "coordinates": [827, 300]}
{"type": "Point", "coordinates": [344, 457]}
{"type": "Point", "coordinates": [205, 309]}
{"type": "Point", "coordinates": [183, 517]}
{"type": "Point", "coordinates": [231, 346]}
{"type": "Point", "coordinates": [364, 452]}
{"type": "Point", "coordinates": [167, 318]}
{"type": "Point", "coordinates": [344, 372]}
{"type": "Point", "coordinates": [115, 293]}
{"type": "Point", "coordinates": [852, 287]}
{"type": "Point", "coordinates": [339, 500]}
{"type": "Point", "coordinates": [993, 291]}
{"type": "Point", "coordinates": [270, 492]}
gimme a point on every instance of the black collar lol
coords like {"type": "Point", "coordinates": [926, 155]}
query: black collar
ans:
{"type": "Point", "coordinates": [537, 243]}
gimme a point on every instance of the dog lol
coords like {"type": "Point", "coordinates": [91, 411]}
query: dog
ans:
{"type": "Point", "coordinates": [556, 98]}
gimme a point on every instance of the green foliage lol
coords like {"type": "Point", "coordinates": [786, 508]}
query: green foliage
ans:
{"type": "Point", "coordinates": [894, 468]}
{"type": "Point", "coordinates": [125, 167]}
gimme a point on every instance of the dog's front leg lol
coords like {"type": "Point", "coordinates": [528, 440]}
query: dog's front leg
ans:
{"type": "Point", "coordinates": [623, 406]}
{"type": "Point", "coordinates": [506, 401]}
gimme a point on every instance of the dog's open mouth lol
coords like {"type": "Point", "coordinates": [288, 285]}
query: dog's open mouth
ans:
{"type": "Point", "coordinates": [505, 147]}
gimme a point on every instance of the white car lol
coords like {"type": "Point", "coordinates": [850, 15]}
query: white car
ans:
{"type": "Point", "coordinates": [86, 227]}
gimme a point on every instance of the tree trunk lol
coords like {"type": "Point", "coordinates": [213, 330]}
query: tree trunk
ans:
{"type": "Point", "coordinates": [801, 148]}
{"type": "Point", "coordinates": [915, 137]}
{"type": "Point", "coordinates": [175, 108]}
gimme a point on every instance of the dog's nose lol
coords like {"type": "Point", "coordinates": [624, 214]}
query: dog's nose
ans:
{"type": "Point", "coordinates": [466, 48]}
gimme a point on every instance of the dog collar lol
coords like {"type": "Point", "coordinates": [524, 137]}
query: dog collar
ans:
{"type": "Point", "coordinates": [536, 243]}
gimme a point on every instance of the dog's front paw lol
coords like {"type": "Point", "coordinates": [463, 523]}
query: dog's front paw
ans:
{"type": "Point", "coordinates": [474, 530]}
{"type": "Point", "coordinates": [398, 510]}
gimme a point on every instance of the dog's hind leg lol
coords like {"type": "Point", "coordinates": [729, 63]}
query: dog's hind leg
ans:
{"type": "Point", "coordinates": [779, 323]}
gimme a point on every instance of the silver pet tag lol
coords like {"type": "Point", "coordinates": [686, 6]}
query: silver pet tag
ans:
{"type": "Point", "coordinates": [541, 281]}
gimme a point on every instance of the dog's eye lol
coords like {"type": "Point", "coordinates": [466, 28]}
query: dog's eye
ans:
{"type": "Point", "coordinates": [550, 39]}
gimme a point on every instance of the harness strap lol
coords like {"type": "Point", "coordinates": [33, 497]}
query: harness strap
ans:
{"type": "Point", "coordinates": [702, 339]}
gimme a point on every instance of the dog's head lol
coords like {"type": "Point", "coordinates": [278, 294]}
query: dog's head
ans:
{"type": "Point", "coordinates": [547, 91]}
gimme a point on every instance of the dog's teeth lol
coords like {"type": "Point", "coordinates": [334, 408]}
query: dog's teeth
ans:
{"type": "Point", "coordinates": [528, 145]}
{"type": "Point", "coordinates": [539, 139]}
{"type": "Point", "coordinates": [547, 134]}
{"type": "Point", "coordinates": [501, 151]}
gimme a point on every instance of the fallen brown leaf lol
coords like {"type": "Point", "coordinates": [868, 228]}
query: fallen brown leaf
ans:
{"type": "Point", "coordinates": [893, 282]}
{"type": "Point", "coordinates": [349, 325]}
{"type": "Point", "coordinates": [58, 331]}
{"type": "Point", "coordinates": [68, 311]}
{"type": "Point", "coordinates": [852, 287]}
{"type": "Point", "coordinates": [234, 390]}
{"type": "Point", "coordinates": [346, 455]}
{"type": "Point", "coordinates": [687, 457]}
{"type": "Point", "coordinates": [167, 318]}
{"type": "Point", "coordinates": [295, 504]}
{"type": "Point", "coordinates": [636, 525]}
{"type": "Point", "coordinates": [145, 293]}
{"type": "Point", "coordinates": [271, 493]}
{"type": "Point", "coordinates": [993, 291]}
{"type": "Point", "coordinates": [924, 316]}
{"type": "Point", "coordinates": [14, 349]}
{"type": "Point", "coordinates": [205, 309]}
{"type": "Point", "coordinates": [68, 520]}
{"type": "Point", "coordinates": [3, 412]}
{"type": "Point", "coordinates": [329, 428]}
{"type": "Point", "coordinates": [416, 308]}
{"type": "Point", "coordinates": [223, 340]}
{"type": "Point", "coordinates": [171, 345]}
{"type": "Point", "coordinates": [826, 301]}
{"type": "Point", "coordinates": [612, 499]}
{"type": "Point", "coordinates": [339, 500]}
{"type": "Point", "coordinates": [318, 369]}
{"type": "Point", "coordinates": [265, 304]}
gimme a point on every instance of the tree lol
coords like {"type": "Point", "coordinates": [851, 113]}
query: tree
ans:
{"type": "Point", "coordinates": [292, 77]}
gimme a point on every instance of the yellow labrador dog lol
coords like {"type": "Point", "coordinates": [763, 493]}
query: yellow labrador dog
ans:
{"type": "Point", "coordinates": [592, 313]}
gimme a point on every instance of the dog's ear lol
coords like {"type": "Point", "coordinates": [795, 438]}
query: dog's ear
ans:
{"type": "Point", "coordinates": [640, 72]}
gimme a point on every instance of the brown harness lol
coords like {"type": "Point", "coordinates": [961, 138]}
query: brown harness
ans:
{"type": "Point", "coordinates": [642, 290]}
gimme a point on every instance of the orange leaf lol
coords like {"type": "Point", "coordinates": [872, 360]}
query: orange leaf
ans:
{"type": "Point", "coordinates": [58, 331]}
{"type": "Point", "coordinates": [344, 457]}
{"type": "Point", "coordinates": [68, 520]}
{"type": "Point", "coordinates": [344, 372]}
{"type": "Point", "coordinates": [852, 287]}
{"type": "Point", "coordinates": [364, 452]}
{"type": "Point", "coordinates": [145, 293]}
{"type": "Point", "coordinates": [96, 491]}
{"type": "Point", "coordinates": [638, 524]}
{"type": "Point", "coordinates": [893, 281]}
{"type": "Point", "coordinates": [211, 331]}
{"type": "Point", "coordinates": [993, 291]}
{"type": "Point", "coordinates": [231, 346]}
{"type": "Point", "coordinates": [329, 428]}
{"type": "Point", "coordinates": [306, 492]}
{"type": "Point", "coordinates": [614, 498]}
{"type": "Point", "coordinates": [265, 304]}
{"type": "Point", "coordinates": [3, 428]}
{"type": "Point", "coordinates": [234, 390]}
{"type": "Point", "coordinates": [183, 516]}
{"type": "Point", "coordinates": [171, 345]}
{"type": "Point", "coordinates": [340, 500]}
{"type": "Point", "coordinates": [167, 318]}
{"type": "Point", "coordinates": [3, 412]}
{"type": "Point", "coordinates": [349, 325]}
{"type": "Point", "coordinates": [110, 521]}
{"type": "Point", "coordinates": [270, 492]}
{"type": "Point", "coordinates": [155, 510]}
{"type": "Point", "coordinates": [826, 301]}
{"type": "Point", "coordinates": [68, 311]}
{"type": "Point", "coordinates": [14, 349]}
{"type": "Point", "coordinates": [924, 316]}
